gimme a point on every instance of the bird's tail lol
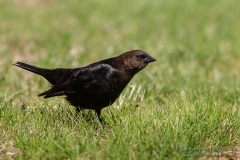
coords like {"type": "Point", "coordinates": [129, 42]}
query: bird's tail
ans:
{"type": "Point", "coordinates": [37, 70]}
{"type": "Point", "coordinates": [53, 76]}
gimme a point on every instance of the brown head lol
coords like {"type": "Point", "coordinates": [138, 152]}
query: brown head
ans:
{"type": "Point", "coordinates": [135, 60]}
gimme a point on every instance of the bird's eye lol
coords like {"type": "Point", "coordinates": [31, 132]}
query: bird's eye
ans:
{"type": "Point", "coordinates": [138, 56]}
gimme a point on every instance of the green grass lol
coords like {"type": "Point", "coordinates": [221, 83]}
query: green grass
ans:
{"type": "Point", "coordinates": [187, 102]}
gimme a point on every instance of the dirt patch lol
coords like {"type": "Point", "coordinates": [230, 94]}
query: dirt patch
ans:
{"type": "Point", "coordinates": [8, 150]}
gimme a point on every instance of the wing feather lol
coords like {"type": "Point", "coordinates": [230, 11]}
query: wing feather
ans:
{"type": "Point", "coordinates": [87, 78]}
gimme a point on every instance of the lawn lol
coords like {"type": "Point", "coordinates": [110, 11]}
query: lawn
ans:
{"type": "Point", "coordinates": [186, 105]}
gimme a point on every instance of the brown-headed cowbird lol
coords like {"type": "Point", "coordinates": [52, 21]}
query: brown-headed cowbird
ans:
{"type": "Point", "coordinates": [94, 86]}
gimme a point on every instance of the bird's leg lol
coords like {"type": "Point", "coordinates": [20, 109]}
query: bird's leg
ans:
{"type": "Point", "coordinates": [78, 110]}
{"type": "Point", "coordinates": [99, 117]}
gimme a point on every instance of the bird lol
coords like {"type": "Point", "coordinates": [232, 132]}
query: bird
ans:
{"type": "Point", "coordinates": [96, 85]}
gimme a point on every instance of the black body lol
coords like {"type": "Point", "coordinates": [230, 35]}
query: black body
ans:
{"type": "Point", "coordinates": [95, 86]}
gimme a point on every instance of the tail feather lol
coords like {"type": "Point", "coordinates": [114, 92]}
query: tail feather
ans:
{"type": "Point", "coordinates": [31, 68]}
{"type": "Point", "coordinates": [53, 76]}
{"type": "Point", "coordinates": [48, 74]}
{"type": "Point", "coordinates": [46, 94]}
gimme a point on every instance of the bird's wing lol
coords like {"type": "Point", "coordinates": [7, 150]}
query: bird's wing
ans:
{"type": "Point", "coordinates": [88, 78]}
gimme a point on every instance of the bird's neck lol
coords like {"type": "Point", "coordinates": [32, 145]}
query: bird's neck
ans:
{"type": "Point", "coordinates": [119, 64]}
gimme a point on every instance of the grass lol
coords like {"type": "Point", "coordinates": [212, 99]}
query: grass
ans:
{"type": "Point", "coordinates": [183, 106]}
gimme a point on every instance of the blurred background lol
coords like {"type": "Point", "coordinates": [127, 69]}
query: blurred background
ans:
{"type": "Point", "coordinates": [196, 43]}
{"type": "Point", "coordinates": [193, 87]}
{"type": "Point", "coordinates": [193, 41]}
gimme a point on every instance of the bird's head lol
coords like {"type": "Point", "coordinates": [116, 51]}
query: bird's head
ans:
{"type": "Point", "coordinates": [136, 60]}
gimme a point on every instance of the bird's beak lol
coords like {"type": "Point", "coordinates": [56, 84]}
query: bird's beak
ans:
{"type": "Point", "coordinates": [149, 59]}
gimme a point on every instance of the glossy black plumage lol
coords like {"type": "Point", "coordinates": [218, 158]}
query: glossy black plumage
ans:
{"type": "Point", "coordinates": [95, 86]}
